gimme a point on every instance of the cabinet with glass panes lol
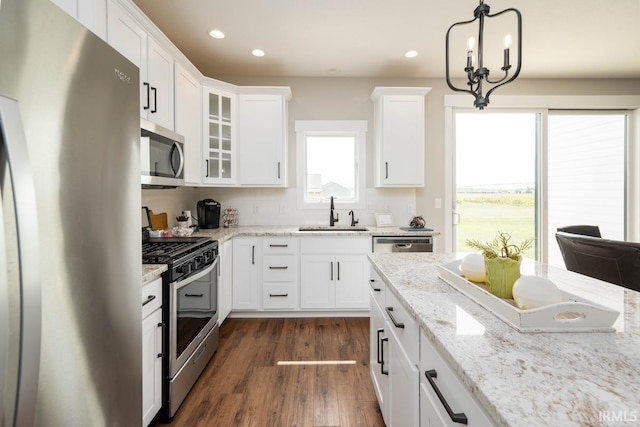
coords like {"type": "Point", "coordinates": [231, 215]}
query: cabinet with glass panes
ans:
{"type": "Point", "coordinates": [220, 139]}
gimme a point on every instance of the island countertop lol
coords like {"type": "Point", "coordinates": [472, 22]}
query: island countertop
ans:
{"type": "Point", "coordinates": [527, 379]}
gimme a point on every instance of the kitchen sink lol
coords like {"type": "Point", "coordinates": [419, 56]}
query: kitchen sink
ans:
{"type": "Point", "coordinates": [330, 229]}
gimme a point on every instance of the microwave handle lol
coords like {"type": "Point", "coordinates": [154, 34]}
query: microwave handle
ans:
{"type": "Point", "coordinates": [176, 147]}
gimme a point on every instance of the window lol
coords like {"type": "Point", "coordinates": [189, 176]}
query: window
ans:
{"type": "Point", "coordinates": [330, 162]}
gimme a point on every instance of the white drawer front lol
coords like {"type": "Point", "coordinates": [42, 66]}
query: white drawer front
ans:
{"type": "Point", "coordinates": [403, 326]}
{"type": "Point", "coordinates": [457, 396]}
{"type": "Point", "coordinates": [279, 268]}
{"type": "Point", "coordinates": [335, 245]}
{"type": "Point", "coordinates": [151, 297]}
{"type": "Point", "coordinates": [287, 245]}
{"type": "Point", "coordinates": [279, 296]}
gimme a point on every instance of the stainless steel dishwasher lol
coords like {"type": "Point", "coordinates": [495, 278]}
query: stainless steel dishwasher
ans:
{"type": "Point", "coordinates": [402, 244]}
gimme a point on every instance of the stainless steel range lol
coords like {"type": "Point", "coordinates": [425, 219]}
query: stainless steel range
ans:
{"type": "Point", "coordinates": [190, 311]}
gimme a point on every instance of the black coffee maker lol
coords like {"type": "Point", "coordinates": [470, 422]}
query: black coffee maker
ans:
{"type": "Point", "coordinates": [208, 213]}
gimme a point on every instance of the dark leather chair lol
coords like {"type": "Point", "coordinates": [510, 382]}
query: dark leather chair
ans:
{"type": "Point", "coordinates": [584, 230]}
{"type": "Point", "coordinates": [613, 261]}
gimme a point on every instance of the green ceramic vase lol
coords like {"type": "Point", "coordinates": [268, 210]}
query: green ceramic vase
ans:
{"type": "Point", "coordinates": [502, 273]}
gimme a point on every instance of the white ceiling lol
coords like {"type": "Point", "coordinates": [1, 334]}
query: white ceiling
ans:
{"type": "Point", "coordinates": [368, 38]}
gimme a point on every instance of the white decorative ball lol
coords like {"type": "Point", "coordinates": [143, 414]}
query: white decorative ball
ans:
{"type": "Point", "coordinates": [533, 292]}
{"type": "Point", "coordinates": [472, 268]}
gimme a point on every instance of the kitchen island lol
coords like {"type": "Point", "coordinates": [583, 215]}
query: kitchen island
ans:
{"type": "Point", "coordinates": [526, 379]}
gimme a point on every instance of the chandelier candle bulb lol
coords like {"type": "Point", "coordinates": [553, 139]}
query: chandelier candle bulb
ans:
{"type": "Point", "coordinates": [470, 44]}
{"type": "Point", "coordinates": [507, 45]}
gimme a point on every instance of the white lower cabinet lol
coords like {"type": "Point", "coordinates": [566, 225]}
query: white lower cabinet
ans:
{"type": "Point", "coordinates": [444, 400]}
{"type": "Point", "coordinates": [379, 372]}
{"type": "Point", "coordinates": [333, 273]}
{"type": "Point", "coordinates": [247, 273]}
{"type": "Point", "coordinates": [401, 350]}
{"type": "Point", "coordinates": [394, 356]}
{"type": "Point", "coordinates": [280, 273]}
{"type": "Point", "coordinates": [404, 379]}
{"type": "Point", "coordinates": [151, 350]}
{"type": "Point", "coordinates": [225, 281]}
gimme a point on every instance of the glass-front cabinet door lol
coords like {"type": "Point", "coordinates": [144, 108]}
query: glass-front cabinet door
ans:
{"type": "Point", "coordinates": [220, 139]}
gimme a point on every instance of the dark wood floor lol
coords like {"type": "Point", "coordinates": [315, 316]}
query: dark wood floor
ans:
{"type": "Point", "coordinates": [243, 384]}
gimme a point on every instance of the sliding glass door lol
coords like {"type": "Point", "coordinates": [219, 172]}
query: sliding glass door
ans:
{"type": "Point", "coordinates": [528, 173]}
{"type": "Point", "coordinates": [585, 174]}
{"type": "Point", "coordinates": [495, 177]}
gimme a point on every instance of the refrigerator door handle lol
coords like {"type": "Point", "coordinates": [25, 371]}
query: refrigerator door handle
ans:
{"type": "Point", "coordinates": [14, 145]}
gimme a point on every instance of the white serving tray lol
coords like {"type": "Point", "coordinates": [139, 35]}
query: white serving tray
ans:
{"type": "Point", "coordinates": [574, 314]}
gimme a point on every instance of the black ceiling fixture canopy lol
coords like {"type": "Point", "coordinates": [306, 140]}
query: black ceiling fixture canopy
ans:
{"type": "Point", "coordinates": [477, 76]}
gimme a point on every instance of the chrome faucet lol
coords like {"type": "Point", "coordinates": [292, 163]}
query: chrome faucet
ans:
{"type": "Point", "coordinates": [354, 221]}
{"type": "Point", "coordinates": [332, 220]}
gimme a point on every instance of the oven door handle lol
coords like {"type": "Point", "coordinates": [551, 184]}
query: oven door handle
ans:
{"type": "Point", "coordinates": [198, 275]}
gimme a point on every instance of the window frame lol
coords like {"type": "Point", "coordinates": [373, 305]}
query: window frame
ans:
{"type": "Point", "coordinates": [355, 128]}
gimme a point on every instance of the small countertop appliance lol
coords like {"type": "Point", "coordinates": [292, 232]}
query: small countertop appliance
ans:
{"type": "Point", "coordinates": [208, 214]}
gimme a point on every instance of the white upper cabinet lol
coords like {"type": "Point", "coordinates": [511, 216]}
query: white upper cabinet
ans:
{"type": "Point", "coordinates": [219, 148]}
{"type": "Point", "coordinates": [399, 136]}
{"type": "Point", "coordinates": [155, 63]}
{"type": "Point", "coordinates": [189, 122]}
{"type": "Point", "coordinates": [160, 79]}
{"type": "Point", "coordinates": [90, 13]}
{"type": "Point", "coordinates": [262, 136]}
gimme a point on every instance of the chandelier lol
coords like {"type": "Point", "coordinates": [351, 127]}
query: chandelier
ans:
{"type": "Point", "coordinates": [477, 73]}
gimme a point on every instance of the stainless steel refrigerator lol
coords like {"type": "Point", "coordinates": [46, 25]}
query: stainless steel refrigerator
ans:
{"type": "Point", "coordinates": [70, 255]}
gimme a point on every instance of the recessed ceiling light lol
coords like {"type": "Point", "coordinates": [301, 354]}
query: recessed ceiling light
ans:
{"type": "Point", "coordinates": [216, 34]}
{"type": "Point", "coordinates": [257, 52]}
{"type": "Point", "coordinates": [411, 54]}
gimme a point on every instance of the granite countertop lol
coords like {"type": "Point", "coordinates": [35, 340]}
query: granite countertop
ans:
{"type": "Point", "coordinates": [532, 379]}
{"type": "Point", "coordinates": [150, 272]}
{"type": "Point", "coordinates": [222, 234]}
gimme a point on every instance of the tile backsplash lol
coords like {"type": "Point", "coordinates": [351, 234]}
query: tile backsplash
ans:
{"type": "Point", "coordinates": [278, 206]}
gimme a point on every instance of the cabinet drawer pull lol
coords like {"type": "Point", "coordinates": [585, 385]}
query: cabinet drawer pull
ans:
{"type": "Point", "coordinates": [253, 254]}
{"type": "Point", "coordinates": [393, 319]}
{"type": "Point", "coordinates": [194, 295]}
{"type": "Point", "coordinates": [338, 270]}
{"type": "Point", "coordinates": [382, 371]}
{"type": "Point", "coordinates": [331, 270]}
{"type": "Point", "coordinates": [459, 417]}
{"type": "Point", "coordinates": [149, 299]}
{"type": "Point", "coordinates": [278, 170]}
{"type": "Point", "coordinates": [373, 287]}
{"type": "Point", "coordinates": [279, 246]}
{"type": "Point", "coordinates": [386, 170]}
{"type": "Point", "coordinates": [380, 331]}
{"type": "Point", "coordinates": [278, 295]}
{"type": "Point", "coordinates": [278, 267]}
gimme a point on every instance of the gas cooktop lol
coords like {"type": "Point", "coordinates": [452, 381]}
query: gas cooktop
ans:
{"type": "Point", "coordinates": [165, 250]}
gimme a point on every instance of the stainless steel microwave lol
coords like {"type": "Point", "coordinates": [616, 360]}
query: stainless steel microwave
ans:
{"type": "Point", "coordinates": [161, 156]}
